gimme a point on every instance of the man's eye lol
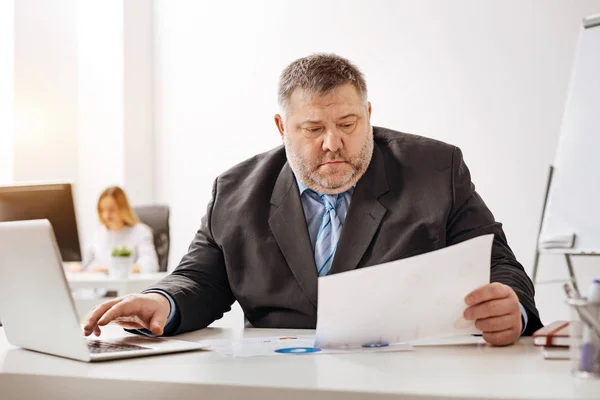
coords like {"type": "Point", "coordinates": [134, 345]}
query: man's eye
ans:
{"type": "Point", "coordinates": [348, 125]}
{"type": "Point", "coordinates": [313, 130]}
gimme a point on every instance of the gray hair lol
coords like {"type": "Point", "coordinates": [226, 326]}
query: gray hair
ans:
{"type": "Point", "coordinates": [319, 74]}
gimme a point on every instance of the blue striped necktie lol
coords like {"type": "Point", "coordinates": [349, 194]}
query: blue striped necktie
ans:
{"type": "Point", "coordinates": [328, 235]}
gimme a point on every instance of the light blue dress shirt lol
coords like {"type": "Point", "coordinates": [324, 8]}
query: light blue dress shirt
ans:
{"type": "Point", "coordinates": [313, 211]}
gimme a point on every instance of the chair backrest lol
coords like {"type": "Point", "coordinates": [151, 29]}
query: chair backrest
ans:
{"type": "Point", "coordinates": [157, 218]}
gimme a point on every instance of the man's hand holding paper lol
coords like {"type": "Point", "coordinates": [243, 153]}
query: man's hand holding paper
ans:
{"type": "Point", "coordinates": [496, 312]}
{"type": "Point", "coordinates": [419, 297]}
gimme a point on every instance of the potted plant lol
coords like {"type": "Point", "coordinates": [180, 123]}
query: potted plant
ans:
{"type": "Point", "coordinates": [121, 262]}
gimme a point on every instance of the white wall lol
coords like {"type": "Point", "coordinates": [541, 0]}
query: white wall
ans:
{"type": "Point", "coordinates": [100, 108]}
{"type": "Point", "coordinates": [138, 99]}
{"type": "Point", "coordinates": [45, 91]}
{"type": "Point", "coordinates": [116, 98]}
{"type": "Point", "coordinates": [490, 77]}
{"type": "Point", "coordinates": [7, 11]}
{"type": "Point", "coordinates": [83, 97]}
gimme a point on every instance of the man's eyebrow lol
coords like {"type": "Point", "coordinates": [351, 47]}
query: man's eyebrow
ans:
{"type": "Point", "coordinates": [348, 116]}
{"type": "Point", "coordinates": [318, 121]}
{"type": "Point", "coordinates": [310, 121]}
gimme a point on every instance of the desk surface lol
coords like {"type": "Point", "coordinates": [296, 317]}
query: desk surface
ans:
{"type": "Point", "coordinates": [473, 370]}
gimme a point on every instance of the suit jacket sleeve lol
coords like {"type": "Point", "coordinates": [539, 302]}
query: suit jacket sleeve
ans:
{"type": "Point", "coordinates": [199, 285]}
{"type": "Point", "coordinates": [470, 217]}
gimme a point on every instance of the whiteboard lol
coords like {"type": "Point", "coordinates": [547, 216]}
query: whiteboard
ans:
{"type": "Point", "coordinates": [573, 204]}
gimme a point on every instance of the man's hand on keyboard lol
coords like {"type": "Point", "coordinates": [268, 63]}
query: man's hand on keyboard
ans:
{"type": "Point", "coordinates": [138, 311]}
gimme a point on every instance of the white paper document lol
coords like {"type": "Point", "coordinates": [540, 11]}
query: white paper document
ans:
{"type": "Point", "coordinates": [289, 346]}
{"type": "Point", "coordinates": [404, 300]}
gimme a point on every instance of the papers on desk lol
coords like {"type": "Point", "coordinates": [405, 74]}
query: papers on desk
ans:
{"type": "Point", "coordinates": [288, 345]}
{"type": "Point", "coordinates": [404, 300]}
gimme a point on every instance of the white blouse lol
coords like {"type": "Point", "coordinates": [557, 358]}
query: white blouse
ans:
{"type": "Point", "coordinates": [138, 238]}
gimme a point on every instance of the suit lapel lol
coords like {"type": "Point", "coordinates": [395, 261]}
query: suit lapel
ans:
{"type": "Point", "coordinates": [364, 216]}
{"type": "Point", "coordinates": [288, 225]}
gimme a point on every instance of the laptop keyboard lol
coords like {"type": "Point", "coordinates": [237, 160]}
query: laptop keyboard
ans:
{"type": "Point", "coordinates": [98, 346]}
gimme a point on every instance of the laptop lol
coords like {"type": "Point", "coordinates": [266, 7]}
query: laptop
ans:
{"type": "Point", "coordinates": [37, 309]}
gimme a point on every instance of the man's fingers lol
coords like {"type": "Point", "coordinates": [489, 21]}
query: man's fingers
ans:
{"type": "Point", "coordinates": [97, 313]}
{"type": "Point", "coordinates": [498, 324]}
{"type": "Point", "coordinates": [148, 311]}
{"type": "Point", "coordinates": [488, 292]}
{"type": "Point", "coordinates": [503, 338]}
{"type": "Point", "coordinates": [493, 308]}
{"type": "Point", "coordinates": [120, 310]}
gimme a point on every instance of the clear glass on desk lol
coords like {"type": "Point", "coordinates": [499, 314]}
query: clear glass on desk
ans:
{"type": "Point", "coordinates": [585, 338]}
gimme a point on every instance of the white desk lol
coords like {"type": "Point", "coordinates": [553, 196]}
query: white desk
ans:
{"type": "Point", "coordinates": [473, 371]}
{"type": "Point", "coordinates": [134, 284]}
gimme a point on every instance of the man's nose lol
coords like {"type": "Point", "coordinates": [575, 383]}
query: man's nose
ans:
{"type": "Point", "coordinates": [332, 141]}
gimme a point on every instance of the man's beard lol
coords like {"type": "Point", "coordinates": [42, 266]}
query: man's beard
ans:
{"type": "Point", "coordinates": [314, 180]}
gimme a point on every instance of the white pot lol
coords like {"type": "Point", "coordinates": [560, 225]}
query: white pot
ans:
{"type": "Point", "coordinates": [121, 267]}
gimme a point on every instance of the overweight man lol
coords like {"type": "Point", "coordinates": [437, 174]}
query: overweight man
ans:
{"type": "Point", "coordinates": [339, 194]}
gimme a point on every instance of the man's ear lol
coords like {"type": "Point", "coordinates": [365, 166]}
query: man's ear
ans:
{"type": "Point", "coordinates": [279, 123]}
{"type": "Point", "coordinates": [369, 109]}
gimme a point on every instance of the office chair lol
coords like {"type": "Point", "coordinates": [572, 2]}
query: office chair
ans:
{"type": "Point", "coordinates": [157, 218]}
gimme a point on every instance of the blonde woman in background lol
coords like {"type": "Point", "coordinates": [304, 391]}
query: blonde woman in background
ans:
{"type": "Point", "coordinates": [119, 227]}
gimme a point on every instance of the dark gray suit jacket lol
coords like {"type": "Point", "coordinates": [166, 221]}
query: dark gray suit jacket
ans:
{"type": "Point", "coordinates": [253, 244]}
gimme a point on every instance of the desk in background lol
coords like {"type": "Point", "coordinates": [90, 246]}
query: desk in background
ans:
{"type": "Point", "coordinates": [473, 371]}
{"type": "Point", "coordinates": [134, 284]}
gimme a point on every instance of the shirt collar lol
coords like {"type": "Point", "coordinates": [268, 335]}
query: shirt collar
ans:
{"type": "Point", "coordinates": [301, 186]}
